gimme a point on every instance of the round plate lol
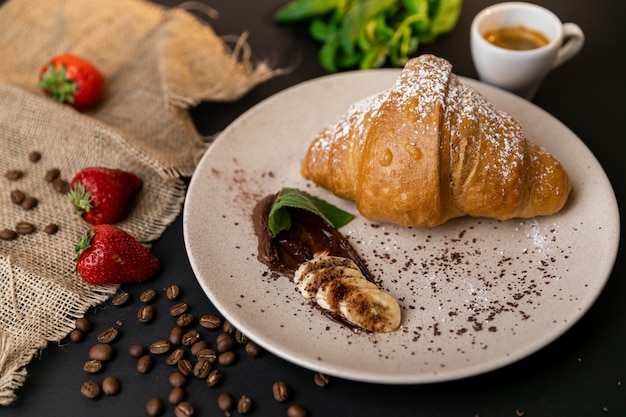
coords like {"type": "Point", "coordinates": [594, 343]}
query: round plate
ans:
{"type": "Point", "coordinates": [476, 294]}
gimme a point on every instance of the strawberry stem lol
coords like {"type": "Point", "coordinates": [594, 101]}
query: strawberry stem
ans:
{"type": "Point", "coordinates": [84, 243]}
{"type": "Point", "coordinates": [80, 198]}
{"type": "Point", "coordinates": [57, 85]}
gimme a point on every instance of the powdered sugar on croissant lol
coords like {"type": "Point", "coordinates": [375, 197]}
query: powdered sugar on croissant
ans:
{"type": "Point", "coordinates": [430, 149]}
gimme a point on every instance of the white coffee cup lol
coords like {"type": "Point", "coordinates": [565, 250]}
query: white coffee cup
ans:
{"type": "Point", "coordinates": [521, 71]}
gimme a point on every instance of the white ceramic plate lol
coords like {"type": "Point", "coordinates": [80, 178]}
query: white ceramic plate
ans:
{"type": "Point", "coordinates": [476, 294]}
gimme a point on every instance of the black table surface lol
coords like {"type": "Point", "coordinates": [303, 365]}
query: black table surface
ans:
{"type": "Point", "coordinates": [582, 373]}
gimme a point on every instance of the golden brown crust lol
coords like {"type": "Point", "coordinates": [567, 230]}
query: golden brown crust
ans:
{"type": "Point", "coordinates": [430, 149]}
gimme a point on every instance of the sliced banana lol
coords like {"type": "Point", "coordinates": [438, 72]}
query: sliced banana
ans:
{"type": "Point", "coordinates": [339, 286]}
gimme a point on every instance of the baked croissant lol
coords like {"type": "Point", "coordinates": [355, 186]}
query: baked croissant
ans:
{"type": "Point", "coordinates": [430, 149]}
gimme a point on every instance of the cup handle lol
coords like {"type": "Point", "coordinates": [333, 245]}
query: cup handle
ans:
{"type": "Point", "coordinates": [574, 41]}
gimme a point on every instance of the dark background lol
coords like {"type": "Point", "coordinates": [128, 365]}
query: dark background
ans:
{"type": "Point", "coordinates": [583, 373]}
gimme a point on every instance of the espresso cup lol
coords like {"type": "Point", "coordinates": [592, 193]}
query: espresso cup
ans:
{"type": "Point", "coordinates": [514, 45]}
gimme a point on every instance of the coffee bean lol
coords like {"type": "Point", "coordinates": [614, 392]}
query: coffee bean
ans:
{"type": "Point", "coordinates": [29, 203]}
{"type": "Point", "coordinates": [178, 309]}
{"type": "Point", "coordinates": [176, 379]}
{"type": "Point", "coordinates": [77, 336]}
{"type": "Point", "coordinates": [93, 366]}
{"type": "Point", "coordinates": [108, 335]}
{"type": "Point", "coordinates": [241, 338]}
{"type": "Point", "coordinates": [51, 229]}
{"type": "Point", "coordinates": [145, 364]}
{"type": "Point", "coordinates": [225, 401]}
{"type": "Point", "coordinates": [172, 292]}
{"type": "Point", "coordinates": [185, 367]}
{"type": "Point", "coordinates": [227, 358]}
{"type": "Point", "coordinates": [175, 356]}
{"type": "Point", "coordinates": [295, 410]}
{"type": "Point", "coordinates": [176, 396]}
{"type": "Point", "coordinates": [101, 351]}
{"type": "Point", "coordinates": [198, 346]}
{"type": "Point", "coordinates": [227, 327]}
{"type": "Point", "coordinates": [207, 355]}
{"type": "Point", "coordinates": [90, 389]}
{"type": "Point", "coordinates": [120, 299]}
{"type": "Point", "coordinates": [209, 321]}
{"type": "Point", "coordinates": [17, 196]}
{"type": "Point", "coordinates": [244, 405]}
{"type": "Point", "coordinates": [184, 409]}
{"type": "Point", "coordinates": [60, 186]}
{"type": "Point", "coordinates": [224, 342]}
{"type": "Point", "coordinates": [214, 378]}
{"type": "Point", "coordinates": [191, 337]}
{"type": "Point", "coordinates": [52, 174]}
{"type": "Point", "coordinates": [83, 324]}
{"type": "Point", "coordinates": [13, 174]}
{"type": "Point", "coordinates": [281, 391]}
{"type": "Point", "coordinates": [321, 380]}
{"type": "Point", "coordinates": [24, 228]}
{"type": "Point", "coordinates": [253, 350]}
{"type": "Point", "coordinates": [176, 336]}
{"type": "Point", "coordinates": [202, 369]}
{"type": "Point", "coordinates": [136, 350]}
{"type": "Point", "coordinates": [185, 320]}
{"type": "Point", "coordinates": [34, 156]}
{"type": "Point", "coordinates": [155, 407]}
{"type": "Point", "coordinates": [160, 347]}
{"type": "Point", "coordinates": [148, 296]}
{"type": "Point", "coordinates": [145, 314]}
{"type": "Point", "coordinates": [7, 234]}
{"type": "Point", "coordinates": [110, 386]}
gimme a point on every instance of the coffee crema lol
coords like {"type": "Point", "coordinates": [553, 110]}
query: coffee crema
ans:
{"type": "Point", "coordinates": [519, 38]}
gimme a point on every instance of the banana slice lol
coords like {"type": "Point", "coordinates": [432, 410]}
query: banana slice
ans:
{"type": "Point", "coordinates": [339, 286]}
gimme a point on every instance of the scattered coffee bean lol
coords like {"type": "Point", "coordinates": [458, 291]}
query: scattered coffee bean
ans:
{"type": "Point", "coordinates": [227, 327]}
{"type": "Point", "coordinates": [29, 203]}
{"type": "Point", "coordinates": [83, 324]}
{"type": "Point", "coordinates": [253, 350]}
{"type": "Point", "coordinates": [281, 391]}
{"type": "Point", "coordinates": [207, 355]}
{"type": "Point", "coordinates": [321, 380]}
{"type": "Point", "coordinates": [244, 405]}
{"type": "Point", "coordinates": [13, 174]}
{"type": "Point", "coordinates": [120, 299]}
{"type": "Point", "coordinates": [185, 367]}
{"type": "Point", "coordinates": [145, 314]}
{"type": "Point", "coordinates": [225, 402]}
{"type": "Point", "coordinates": [160, 347]}
{"type": "Point", "coordinates": [175, 356]}
{"type": "Point", "coordinates": [209, 321]}
{"type": "Point", "coordinates": [110, 385]}
{"type": "Point", "coordinates": [224, 342]}
{"type": "Point", "coordinates": [198, 346]}
{"type": "Point", "coordinates": [17, 196]}
{"type": "Point", "coordinates": [191, 337]}
{"type": "Point", "coordinates": [90, 389]}
{"type": "Point", "coordinates": [214, 378]}
{"type": "Point", "coordinates": [176, 396]}
{"type": "Point", "coordinates": [136, 350]}
{"type": "Point", "coordinates": [184, 409]}
{"type": "Point", "coordinates": [227, 358]}
{"type": "Point", "coordinates": [34, 156]}
{"type": "Point", "coordinates": [108, 335]}
{"type": "Point", "coordinates": [202, 369]}
{"type": "Point", "coordinates": [172, 292]}
{"type": "Point", "coordinates": [101, 351]}
{"type": "Point", "coordinates": [7, 234]}
{"type": "Point", "coordinates": [176, 336]}
{"type": "Point", "coordinates": [155, 407]}
{"type": "Point", "coordinates": [93, 366]}
{"type": "Point", "coordinates": [295, 410]}
{"type": "Point", "coordinates": [60, 186]}
{"type": "Point", "coordinates": [77, 336]}
{"type": "Point", "coordinates": [51, 229]}
{"type": "Point", "coordinates": [145, 364]}
{"type": "Point", "coordinates": [148, 296]}
{"type": "Point", "coordinates": [178, 309]}
{"type": "Point", "coordinates": [52, 174]}
{"type": "Point", "coordinates": [24, 228]}
{"type": "Point", "coordinates": [185, 320]}
{"type": "Point", "coordinates": [176, 379]}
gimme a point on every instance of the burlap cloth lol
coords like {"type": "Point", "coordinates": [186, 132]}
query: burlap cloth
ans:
{"type": "Point", "coordinates": [157, 62]}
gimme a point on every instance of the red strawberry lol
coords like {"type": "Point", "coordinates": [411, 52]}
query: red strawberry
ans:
{"type": "Point", "coordinates": [108, 255]}
{"type": "Point", "coordinates": [103, 195]}
{"type": "Point", "coordinates": [73, 80]}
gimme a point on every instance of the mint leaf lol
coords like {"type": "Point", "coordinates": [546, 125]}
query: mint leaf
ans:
{"type": "Point", "coordinates": [279, 218]}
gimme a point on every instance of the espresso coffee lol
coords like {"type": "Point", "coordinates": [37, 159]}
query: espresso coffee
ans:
{"type": "Point", "coordinates": [519, 38]}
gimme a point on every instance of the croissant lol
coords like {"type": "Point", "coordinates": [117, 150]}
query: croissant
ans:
{"type": "Point", "coordinates": [430, 149]}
